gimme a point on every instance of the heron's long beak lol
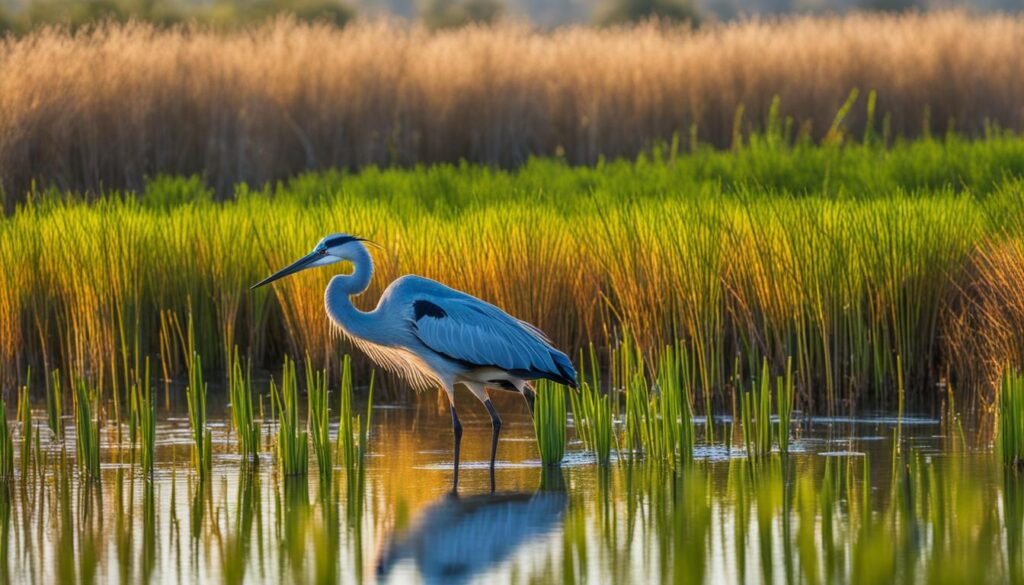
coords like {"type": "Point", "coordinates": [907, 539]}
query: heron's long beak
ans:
{"type": "Point", "coordinates": [300, 264]}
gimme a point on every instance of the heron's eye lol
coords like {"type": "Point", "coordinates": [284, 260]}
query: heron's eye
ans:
{"type": "Point", "coordinates": [323, 251]}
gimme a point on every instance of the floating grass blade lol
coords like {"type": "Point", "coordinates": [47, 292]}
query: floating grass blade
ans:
{"type": "Point", "coordinates": [1011, 419]}
{"type": "Point", "coordinates": [144, 412]}
{"type": "Point", "coordinates": [549, 422]}
{"type": "Point", "coordinates": [292, 442]}
{"type": "Point", "coordinates": [6, 446]}
{"type": "Point", "coordinates": [243, 418]}
{"type": "Point", "coordinates": [319, 419]}
{"type": "Point", "coordinates": [202, 446]}
{"type": "Point", "coordinates": [54, 406]}
{"type": "Point", "coordinates": [87, 430]}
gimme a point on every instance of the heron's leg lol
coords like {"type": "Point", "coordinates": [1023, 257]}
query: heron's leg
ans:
{"type": "Point", "coordinates": [529, 395]}
{"type": "Point", "coordinates": [457, 429]}
{"type": "Point", "coordinates": [495, 431]}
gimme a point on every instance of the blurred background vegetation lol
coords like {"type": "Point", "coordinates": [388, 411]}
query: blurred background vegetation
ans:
{"type": "Point", "coordinates": [23, 15]}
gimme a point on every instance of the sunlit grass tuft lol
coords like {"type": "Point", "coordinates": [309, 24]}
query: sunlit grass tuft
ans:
{"type": "Point", "coordinates": [784, 404]}
{"type": "Point", "coordinates": [1011, 419]}
{"type": "Point", "coordinates": [144, 412]}
{"type": "Point", "coordinates": [243, 418]}
{"type": "Point", "coordinates": [202, 444]}
{"type": "Point", "coordinates": [549, 422]}
{"type": "Point", "coordinates": [27, 428]}
{"type": "Point", "coordinates": [319, 411]}
{"type": "Point", "coordinates": [292, 440]}
{"type": "Point", "coordinates": [6, 446]}
{"type": "Point", "coordinates": [87, 430]}
{"type": "Point", "coordinates": [755, 416]}
{"type": "Point", "coordinates": [54, 406]}
{"type": "Point", "coordinates": [353, 429]}
{"type": "Point", "coordinates": [592, 412]}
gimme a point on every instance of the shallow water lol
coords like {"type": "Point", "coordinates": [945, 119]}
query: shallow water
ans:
{"type": "Point", "coordinates": [840, 508]}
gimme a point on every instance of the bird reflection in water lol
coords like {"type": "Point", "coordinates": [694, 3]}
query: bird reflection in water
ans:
{"type": "Point", "coordinates": [457, 537]}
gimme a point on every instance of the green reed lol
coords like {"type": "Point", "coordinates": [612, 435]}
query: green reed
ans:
{"type": "Point", "coordinates": [6, 446]}
{"type": "Point", "coordinates": [675, 413]}
{"type": "Point", "coordinates": [54, 406]}
{"type": "Point", "coordinates": [1011, 419]}
{"type": "Point", "coordinates": [292, 440]}
{"type": "Point", "coordinates": [195, 393]}
{"type": "Point", "coordinates": [243, 419]}
{"type": "Point", "coordinates": [319, 419]}
{"type": "Point", "coordinates": [549, 422]}
{"type": "Point", "coordinates": [87, 430]}
{"type": "Point", "coordinates": [755, 416]}
{"type": "Point", "coordinates": [659, 420]}
{"type": "Point", "coordinates": [592, 419]}
{"type": "Point", "coordinates": [784, 405]}
{"type": "Point", "coordinates": [144, 415]}
{"type": "Point", "coordinates": [808, 274]}
{"type": "Point", "coordinates": [353, 430]}
{"type": "Point", "coordinates": [27, 429]}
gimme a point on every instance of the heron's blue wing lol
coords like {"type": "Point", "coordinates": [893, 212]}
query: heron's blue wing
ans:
{"type": "Point", "coordinates": [469, 330]}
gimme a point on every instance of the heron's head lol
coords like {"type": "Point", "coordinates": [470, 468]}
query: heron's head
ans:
{"type": "Point", "coordinates": [333, 248]}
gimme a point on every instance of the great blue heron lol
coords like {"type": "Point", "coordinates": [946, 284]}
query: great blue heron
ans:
{"type": "Point", "coordinates": [435, 336]}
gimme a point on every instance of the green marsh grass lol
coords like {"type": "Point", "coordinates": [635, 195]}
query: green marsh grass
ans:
{"type": "Point", "coordinates": [87, 430]}
{"type": "Point", "coordinates": [353, 429]}
{"type": "Point", "coordinates": [202, 442]}
{"type": "Point", "coordinates": [1010, 438]}
{"type": "Point", "coordinates": [659, 418]}
{"type": "Point", "coordinates": [592, 412]}
{"type": "Point", "coordinates": [27, 429]}
{"type": "Point", "coordinates": [318, 399]}
{"type": "Point", "coordinates": [549, 422]}
{"type": "Point", "coordinates": [292, 440]}
{"type": "Point", "coordinates": [764, 252]}
{"type": "Point", "coordinates": [144, 412]}
{"type": "Point", "coordinates": [6, 446]}
{"type": "Point", "coordinates": [784, 405]}
{"type": "Point", "coordinates": [243, 418]}
{"type": "Point", "coordinates": [755, 416]}
{"type": "Point", "coordinates": [54, 406]}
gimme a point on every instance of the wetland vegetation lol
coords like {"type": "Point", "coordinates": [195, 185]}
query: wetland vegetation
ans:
{"type": "Point", "coordinates": [795, 294]}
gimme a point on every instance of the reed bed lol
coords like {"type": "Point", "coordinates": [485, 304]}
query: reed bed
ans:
{"type": "Point", "coordinates": [549, 422]}
{"type": "Point", "coordinates": [202, 441]}
{"type": "Point", "coordinates": [319, 413]}
{"type": "Point", "coordinates": [1010, 439]}
{"type": "Point", "coordinates": [144, 416]}
{"type": "Point", "coordinates": [27, 429]}
{"type": "Point", "coordinates": [353, 429]}
{"type": "Point", "coordinates": [54, 406]}
{"type": "Point", "coordinates": [111, 105]}
{"type": "Point", "coordinates": [866, 265]}
{"type": "Point", "coordinates": [592, 415]}
{"type": "Point", "coordinates": [292, 442]}
{"type": "Point", "coordinates": [87, 430]}
{"type": "Point", "coordinates": [6, 446]}
{"type": "Point", "coordinates": [243, 417]}
{"type": "Point", "coordinates": [755, 417]}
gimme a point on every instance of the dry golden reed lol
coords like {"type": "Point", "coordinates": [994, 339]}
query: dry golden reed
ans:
{"type": "Point", "coordinates": [107, 107]}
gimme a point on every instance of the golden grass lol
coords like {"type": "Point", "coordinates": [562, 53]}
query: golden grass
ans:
{"type": "Point", "coordinates": [111, 106]}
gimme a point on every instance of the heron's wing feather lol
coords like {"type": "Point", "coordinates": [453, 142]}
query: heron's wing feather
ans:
{"type": "Point", "coordinates": [467, 329]}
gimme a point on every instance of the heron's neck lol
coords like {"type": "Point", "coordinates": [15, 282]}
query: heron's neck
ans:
{"type": "Point", "coordinates": [342, 287]}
